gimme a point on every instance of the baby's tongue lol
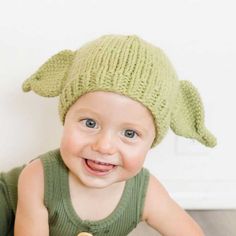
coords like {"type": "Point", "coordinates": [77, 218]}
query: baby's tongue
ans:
{"type": "Point", "coordinates": [99, 167]}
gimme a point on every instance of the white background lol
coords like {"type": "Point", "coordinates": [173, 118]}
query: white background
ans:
{"type": "Point", "coordinates": [199, 38]}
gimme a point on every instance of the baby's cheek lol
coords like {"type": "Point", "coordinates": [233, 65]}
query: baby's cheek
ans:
{"type": "Point", "coordinates": [67, 141]}
{"type": "Point", "coordinates": [134, 164]}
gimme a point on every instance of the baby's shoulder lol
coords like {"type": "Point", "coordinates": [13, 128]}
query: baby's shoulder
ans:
{"type": "Point", "coordinates": [32, 178]}
{"type": "Point", "coordinates": [31, 213]}
{"type": "Point", "coordinates": [156, 188]}
{"type": "Point", "coordinates": [162, 213]}
{"type": "Point", "coordinates": [156, 193]}
{"type": "Point", "coordinates": [33, 169]}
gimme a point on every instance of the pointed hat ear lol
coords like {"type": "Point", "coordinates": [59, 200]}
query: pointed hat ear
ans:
{"type": "Point", "coordinates": [187, 118]}
{"type": "Point", "coordinates": [49, 79]}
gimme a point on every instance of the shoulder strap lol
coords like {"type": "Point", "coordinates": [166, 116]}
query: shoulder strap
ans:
{"type": "Point", "coordinates": [132, 205]}
{"type": "Point", "coordinates": [51, 165]}
{"type": "Point", "coordinates": [141, 184]}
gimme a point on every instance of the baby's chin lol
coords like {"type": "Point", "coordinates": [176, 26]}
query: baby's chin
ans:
{"type": "Point", "coordinates": [100, 183]}
{"type": "Point", "coordinates": [97, 185]}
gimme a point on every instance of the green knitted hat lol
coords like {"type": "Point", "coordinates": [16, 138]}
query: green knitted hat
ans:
{"type": "Point", "coordinates": [127, 65]}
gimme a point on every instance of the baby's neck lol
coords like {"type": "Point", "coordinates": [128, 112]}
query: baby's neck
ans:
{"type": "Point", "coordinates": [84, 199]}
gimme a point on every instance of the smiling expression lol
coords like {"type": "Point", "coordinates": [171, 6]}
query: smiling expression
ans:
{"type": "Point", "coordinates": [108, 132]}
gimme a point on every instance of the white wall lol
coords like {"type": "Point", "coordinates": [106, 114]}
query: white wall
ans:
{"type": "Point", "coordinates": [199, 38]}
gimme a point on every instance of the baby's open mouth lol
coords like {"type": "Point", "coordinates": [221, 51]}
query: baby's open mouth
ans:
{"type": "Point", "coordinates": [99, 166]}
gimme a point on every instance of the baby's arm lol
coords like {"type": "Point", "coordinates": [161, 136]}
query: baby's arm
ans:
{"type": "Point", "coordinates": [162, 213]}
{"type": "Point", "coordinates": [31, 215]}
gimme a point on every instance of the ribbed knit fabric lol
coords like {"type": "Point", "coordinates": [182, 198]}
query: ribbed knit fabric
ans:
{"type": "Point", "coordinates": [8, 200]}
{"type": "Point", "coordinates": [130, 66]}
{"type": "Point", "coordinates": [63, 219]}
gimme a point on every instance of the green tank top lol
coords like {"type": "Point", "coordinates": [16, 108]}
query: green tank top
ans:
{"type": "Point", "coordinates": [8, 200]}
{"type": "Point", "coordinates": [63, 219]}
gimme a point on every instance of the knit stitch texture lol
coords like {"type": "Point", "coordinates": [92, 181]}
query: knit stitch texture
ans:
{"type": "Point", "coordinates": [130, 66]}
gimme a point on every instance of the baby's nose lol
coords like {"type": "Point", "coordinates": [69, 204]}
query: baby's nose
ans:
{"type": "Point", "coordinates": [104, 143]}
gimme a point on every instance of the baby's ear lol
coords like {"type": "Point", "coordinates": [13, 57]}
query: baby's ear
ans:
{"type": "Point", "coordinates": [187, 118]}
{"type": "Point", "coordinates": [49, 79]}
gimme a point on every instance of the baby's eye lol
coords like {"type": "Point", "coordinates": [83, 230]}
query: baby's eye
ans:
{"type": "Point", "coordinates": [89, 123]}
{"type": "Point", "coordinates": [130, 133]}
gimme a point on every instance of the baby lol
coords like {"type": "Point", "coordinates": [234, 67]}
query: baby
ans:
{"type": "Point", "coordinates": [118, 96]}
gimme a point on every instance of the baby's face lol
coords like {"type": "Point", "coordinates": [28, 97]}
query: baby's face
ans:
{"type": "Point", "coordinates": [109, 128]}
